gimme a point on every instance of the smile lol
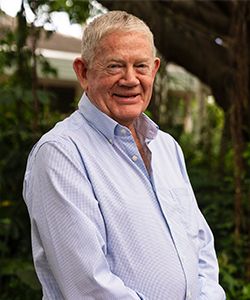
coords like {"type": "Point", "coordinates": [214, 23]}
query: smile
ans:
{"type": "Point", "coordinates": [123, 99]}
{"type": "Point", "coordinates": [125, 96]}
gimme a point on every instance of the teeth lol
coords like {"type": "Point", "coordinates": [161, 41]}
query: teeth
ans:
{"type": "Point", "coordinates": [124, 96]}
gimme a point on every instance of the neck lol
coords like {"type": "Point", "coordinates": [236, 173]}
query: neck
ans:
{"type": "Point", "coordinates": [140, 148]}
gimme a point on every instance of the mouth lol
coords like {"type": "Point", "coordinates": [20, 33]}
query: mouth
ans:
{"type": "Point", "coordinates": [126, 96]}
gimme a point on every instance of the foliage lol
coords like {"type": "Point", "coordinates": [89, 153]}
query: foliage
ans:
{"type": "Point", "coordinates": [17, 273]}
{"type": "Point", "coordinates": [214, 189]}
{"type": "Point", "coordinates": [78, 10]}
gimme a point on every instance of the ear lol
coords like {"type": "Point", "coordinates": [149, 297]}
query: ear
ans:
{"type": "Point", "coordinates": [157, 63]}
{"type": "Point", "coordinates": [80, 68]}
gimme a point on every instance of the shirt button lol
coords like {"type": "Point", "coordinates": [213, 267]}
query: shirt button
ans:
{"type": "Point", "coordinates": [134, 157]}
{"type": "Point", "coordinates": [123, 131]}
{"type": "Point", "coordinates": [189, 295]}
{"type": "Point", "coordinates": [110, 140]}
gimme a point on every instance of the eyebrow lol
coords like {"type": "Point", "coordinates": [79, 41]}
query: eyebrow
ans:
{"type": "Point", "coordinates": [118, 60]}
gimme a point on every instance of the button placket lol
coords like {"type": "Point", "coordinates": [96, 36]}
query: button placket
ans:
{"type": "Point", "coordinates": [127, 143]}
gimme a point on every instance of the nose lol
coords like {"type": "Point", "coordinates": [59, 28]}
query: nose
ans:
{"type": "Point", "coordinates": [129, 77]}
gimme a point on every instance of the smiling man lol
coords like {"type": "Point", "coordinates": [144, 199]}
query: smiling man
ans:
{"type": "Point", "coordinates": [112, 210]}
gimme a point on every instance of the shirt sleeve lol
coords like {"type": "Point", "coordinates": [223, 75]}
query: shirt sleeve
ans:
{"type": "Point", "coordinates": [208, 265]}
{"type": "Point", "coordinates": [68, 230]}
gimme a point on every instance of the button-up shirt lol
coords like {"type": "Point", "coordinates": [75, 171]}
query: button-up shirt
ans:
{"type": "Point", "coordinates": [106, 227]}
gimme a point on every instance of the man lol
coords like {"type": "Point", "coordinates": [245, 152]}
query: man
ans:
{"type": "Point", "coordinates": [112, 211]}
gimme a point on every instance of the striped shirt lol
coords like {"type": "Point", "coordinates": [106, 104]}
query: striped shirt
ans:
{"type": "Point", "coordinates": [103, 227]}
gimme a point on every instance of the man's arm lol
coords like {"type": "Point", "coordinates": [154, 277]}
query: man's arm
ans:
{"type": "Point", "coordinates": [208, 265]}
{"type": "Point", "coordinates": [69, 242]}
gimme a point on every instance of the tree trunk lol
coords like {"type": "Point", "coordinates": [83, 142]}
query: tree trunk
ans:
{"type": "Point", "coordinates": [34, 87]}
{"type": "Point", "coordinates": [239, 102]}
{"type": "Point", "coordinates": [240, 107]}
{"type": "Point", "coordinates": [225, 144]}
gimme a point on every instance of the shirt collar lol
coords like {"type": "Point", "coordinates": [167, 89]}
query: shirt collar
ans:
{"type": "Point", "coordinates": [107, 126]}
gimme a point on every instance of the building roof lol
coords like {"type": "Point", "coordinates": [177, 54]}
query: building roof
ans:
{"type": "Point", "coordinates": [60, 42]}
{"type": "Point", "coordinates": [55, 41]}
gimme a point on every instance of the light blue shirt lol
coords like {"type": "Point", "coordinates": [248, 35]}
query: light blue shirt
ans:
{"type": "Point", "coordinates": [103, 227]}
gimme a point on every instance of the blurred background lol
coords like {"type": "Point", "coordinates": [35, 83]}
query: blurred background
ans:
{"type": "Point", "coordinates": [201, 97]}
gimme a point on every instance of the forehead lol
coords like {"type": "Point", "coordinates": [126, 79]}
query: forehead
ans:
{"type": "Point", "coordinates": [120, 42]}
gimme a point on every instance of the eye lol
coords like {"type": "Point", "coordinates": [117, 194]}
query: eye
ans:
{"type": "Point", "coordinates": [142, 68]}
{"type": "Point", "coordinates": [114, 68]}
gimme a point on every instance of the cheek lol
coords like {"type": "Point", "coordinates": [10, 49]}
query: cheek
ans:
{"type": "Point", "coordinates": [94, 85]}
{"type": "Point", "coordinates": [148, 85]}
{"type": "Point", "coordinates": [102, 83]}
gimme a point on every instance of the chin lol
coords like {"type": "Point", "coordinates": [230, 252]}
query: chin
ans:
{"type": "Point", "coordinates": [127, 119]}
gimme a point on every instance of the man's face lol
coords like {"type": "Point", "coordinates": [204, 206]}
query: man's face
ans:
{"type": "Point", "coordinates": [120, 80]}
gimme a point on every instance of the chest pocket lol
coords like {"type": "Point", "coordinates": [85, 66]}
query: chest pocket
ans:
{"type": "Point", "coordinates": [189, 214]}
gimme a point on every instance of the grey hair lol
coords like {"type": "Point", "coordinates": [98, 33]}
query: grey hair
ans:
{"type": "Point", "coordinates": [108, 23]}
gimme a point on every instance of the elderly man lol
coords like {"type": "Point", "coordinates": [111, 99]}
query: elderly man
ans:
{"type": "Point", "coordinates": [112, 210]}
